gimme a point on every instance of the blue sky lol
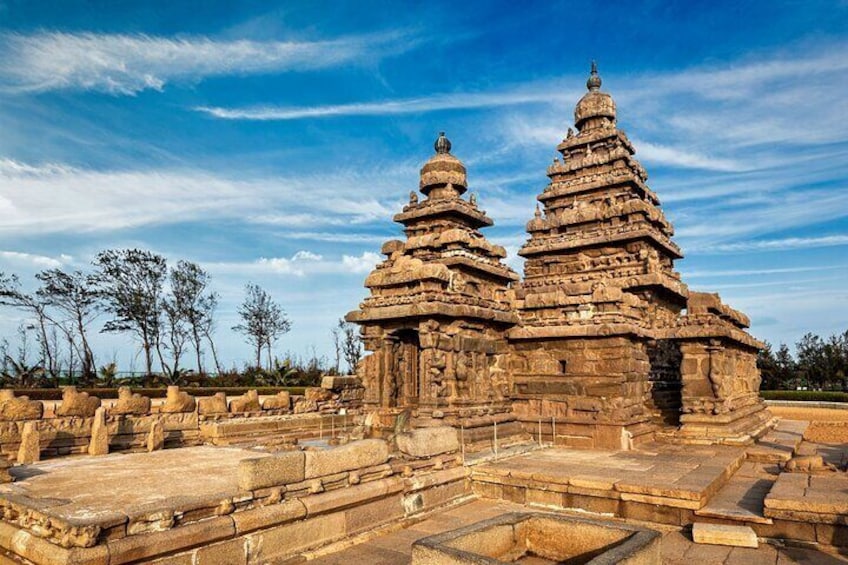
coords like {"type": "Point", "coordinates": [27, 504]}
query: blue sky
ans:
{"type": "Point", "coordinates": [272, 143]}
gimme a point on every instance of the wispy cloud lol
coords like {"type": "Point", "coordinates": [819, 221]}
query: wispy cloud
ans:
{"type": "Point", "coordinates": [55, 198]}
{"type": "Point", "coordinates": [36, 261]}
{"type": "Point", "coordinates": [301, 264]}
{"type": "Point", "coordinates": [128, 64]}
{"type": "Point", "coordinates": [776, 244]}
{"type": "Point", "coordinates": [455, 101]}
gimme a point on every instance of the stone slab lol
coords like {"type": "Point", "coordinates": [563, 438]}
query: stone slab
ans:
{"type": "Point", "coordinates": [724, 534]}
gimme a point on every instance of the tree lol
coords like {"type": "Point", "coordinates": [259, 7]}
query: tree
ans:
{"type": "Point", "coordinates": [351, 346]}
{"type": "Point", "coordinates": [130, 282]}
{"type": "Point", "coordinates": [196, 306]}
{"type": "Point", "coordinates": [336, 334]}
{"type": "Point", "coordinates": [75, 295]}
{"type": "Point", "coordinates": [12, 295]}
{"type": "Point", "coordinates": [263, 321]}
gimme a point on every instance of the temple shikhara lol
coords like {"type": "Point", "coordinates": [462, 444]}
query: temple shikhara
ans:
{"type": "Point", "coordinates": [600, 343]}
{"type": "Point", "coordinates": [592, 409]}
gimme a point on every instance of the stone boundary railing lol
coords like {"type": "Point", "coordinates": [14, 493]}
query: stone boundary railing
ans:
{"type": "Point", "coordinates": [82, 423]}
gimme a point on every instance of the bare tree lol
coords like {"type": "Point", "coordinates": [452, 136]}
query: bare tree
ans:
{"type": "Point", "coordinates": [131, 281]}
{"type": "Point", "coordinates": [351, 345]}
{"type": "Point", "coordinates": [263, 321]}
{"type": "Point", "coordinates": [75, 296]}
{"type": "Point", "coordinates": [336, 334]}
{"type": "Point", "coordinates": [12, 295]}
{"type": "Point", "coordinates": [196, 305]}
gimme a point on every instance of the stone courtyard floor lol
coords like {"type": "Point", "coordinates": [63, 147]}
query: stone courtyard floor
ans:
{"type": "Point", "coordinates": [393, 546]}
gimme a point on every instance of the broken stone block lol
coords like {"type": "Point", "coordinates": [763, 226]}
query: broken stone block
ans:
{"type": "Point", "coordinates": [75, 403]}
{"type": "Point", "coordinates": [279, 469]}
{"type": "Point", "coordinates": [282, 401]}
{"type": "Point", "coordinates": [130, 403]}
{"type": "Point", "coordinates": [178, 401]}
{"type": "Point", "coordinates": [355, 455]}
{"type": "Point", "coordinates": [723, 534]}
{"type": "Point", "coordinates": [427, 442]}
{"type": "Point", "coordinates": [216, 404]}
{"type": "Point", "coordinates": [13, 409]}
{"type": "Point", "coordinates": [303, 406]}
{"type": "Point", "coordinates": [156, 436]}
{"type": "Point", "coordinates": [248, 402]}
{"type": "Point", "coordinates": [99, 434]}
{"type": "Point", "coordinates": [318, 394]}
{"type": "Point", "coordinates": [30, 448]}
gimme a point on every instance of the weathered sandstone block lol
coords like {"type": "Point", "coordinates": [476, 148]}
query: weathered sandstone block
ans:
{"type": "Point", "coordinates": [178, 401]}
{"type": "Point", "coordinates": [248, 402]}
{"type": "Point", "coordinates": [156, 436]}
{"type": "Point", "coordinates": [318, 394]}
{"type": "Point", "coordinates": [282, 401]}
{"type": "Point", "coordinates": [75, 403]}
{"type": "Point", "coordinates": [723, 534]}
{"type": "Point", "coordinates": [338, 383]}
{"type": "Point", "coordinates": [30, 448]}
{"type": "Point", "coordinates": [14, 408]}
{"type": "Point", "coordinates": [427, 442]}
{"type": "Point", "coordinates": [216, 404]}
{"type": "Point", "coordinates": [130, 402]}
{"type": "Point", "coordinates": [99, 434]}
{"type": "Point", "coordinates": [304, 406]}
{"type": "Point", "coordinates": [5, 477]}
{"type": "Point", "coordinates": [355, 455]}
{"type": "Point", "coordinates": [279, 469]}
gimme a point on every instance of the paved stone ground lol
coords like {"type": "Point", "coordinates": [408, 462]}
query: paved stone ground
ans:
{"type": "Point", "coordinates": [394, 547]}
{"type": "Point", "coordinates": [121, 484]}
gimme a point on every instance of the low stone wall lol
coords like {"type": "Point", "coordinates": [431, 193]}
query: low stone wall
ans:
{"type": "Point", "coordinates": [67, 429]}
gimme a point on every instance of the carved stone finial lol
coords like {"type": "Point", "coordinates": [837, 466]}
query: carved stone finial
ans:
{"type": "Point", "coordinates": [413, 197]}
{"type": "Point", "coordinates": [538, 211]}
{"type": "Point", "coordinates": [570, 133]}
{"type": "Point", "coordinates": [443, 144]}
{"type": "Point", "coordinates": [594, 82]}
{"type": "Point", "coordinates": [473, 199]}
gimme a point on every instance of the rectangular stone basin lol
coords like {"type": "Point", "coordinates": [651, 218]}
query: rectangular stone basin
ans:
{"type": "Point", "coordinates": [532, 538]}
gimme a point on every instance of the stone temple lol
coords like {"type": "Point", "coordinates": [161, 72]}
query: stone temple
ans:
{"type": "Point", "coordinates": [591, 410]}
{"type": "Point", "coordinates": [599, 344]}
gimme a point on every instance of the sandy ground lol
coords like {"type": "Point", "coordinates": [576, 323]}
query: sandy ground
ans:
{"type": "Point", "coordinates": [826, 424]}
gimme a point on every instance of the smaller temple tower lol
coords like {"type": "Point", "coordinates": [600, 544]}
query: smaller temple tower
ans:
{"type": "Point", "coordinates": [439, 307]}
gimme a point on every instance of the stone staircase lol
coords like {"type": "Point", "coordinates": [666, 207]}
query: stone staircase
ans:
{"type": "Point", "coordinates": [741, 498]}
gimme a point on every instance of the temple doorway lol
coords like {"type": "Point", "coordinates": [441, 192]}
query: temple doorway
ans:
{"type": "Point", "coordinates": [406, 368]}
{"type": "Point", "coordinates": [666, 385]}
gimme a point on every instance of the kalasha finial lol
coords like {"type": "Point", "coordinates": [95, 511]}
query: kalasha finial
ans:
{"type": "Point", "coordinates": [443, 144]}
{"type": "Point", "coordinates": [594, 82]}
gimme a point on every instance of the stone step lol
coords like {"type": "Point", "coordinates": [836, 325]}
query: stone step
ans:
{"type": "Point", "coordinates": [780, 444]}
{"type": "Point", "coordinates": [723, 534]}
{"type": "Point", "coordinates": [742, 498]}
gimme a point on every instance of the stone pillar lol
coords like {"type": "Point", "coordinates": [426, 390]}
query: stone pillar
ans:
{"type": "Point", "coordinates": [99, 434]}
{"type": "Point", "coordinates": [156, 437]}
{"type": "Point", "coordinates": [30, 449]}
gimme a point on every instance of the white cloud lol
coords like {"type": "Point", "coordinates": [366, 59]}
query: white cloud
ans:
{"type": "Point", "coordinates": [38, 261]}
{"type": "Point", "coordinates": [450, 101]}
{"type": "Point", "coordinates": [55, 198]}
{"type": "Point", "coordinates": [361, 264]}
{"type": "Point", "coordinates": [128, 64]}
{"type": "Point", "coordinates": [777, 244]}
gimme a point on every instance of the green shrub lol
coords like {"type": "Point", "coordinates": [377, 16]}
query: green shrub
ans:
{"type": "Point", "coordinates": [805, 395]}
{"type": "Point", "coordinates": [56, 394]}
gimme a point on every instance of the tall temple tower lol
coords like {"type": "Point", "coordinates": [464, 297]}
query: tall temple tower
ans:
{"type": "Point", "coordinates": [599, 294]}
{"type": "Point", "coordinates": [600, 345]}
{"type": "Point", "coordinates": [439, 307]}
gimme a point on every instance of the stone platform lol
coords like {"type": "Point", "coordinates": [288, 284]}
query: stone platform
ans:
{"type": "Point", "coordinates": [672, 476]}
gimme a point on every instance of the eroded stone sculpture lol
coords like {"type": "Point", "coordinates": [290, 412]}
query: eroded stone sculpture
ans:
{"type": "Point", "coordinates": [178, 401]}
{"type": "Point", "coordinates": [75, 403]}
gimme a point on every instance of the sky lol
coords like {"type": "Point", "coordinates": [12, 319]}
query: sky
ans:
{"type": "Point", "coordinates": [272, 142]}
